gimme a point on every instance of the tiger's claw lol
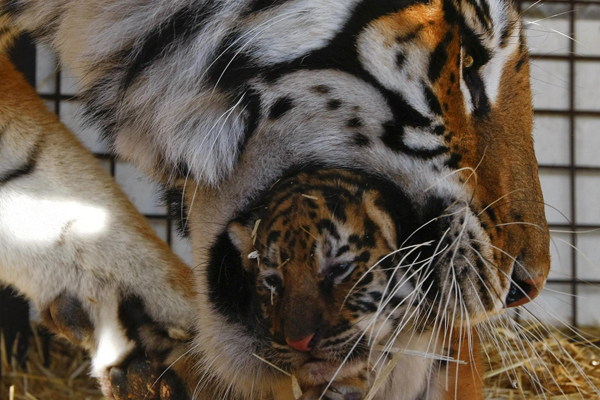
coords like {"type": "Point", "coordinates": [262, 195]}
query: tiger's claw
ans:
{"type": "Point", "coordinates": [347, 389]}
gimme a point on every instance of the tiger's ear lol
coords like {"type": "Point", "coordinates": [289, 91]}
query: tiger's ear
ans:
{"type": "Point", "coordinates": [241, 237]}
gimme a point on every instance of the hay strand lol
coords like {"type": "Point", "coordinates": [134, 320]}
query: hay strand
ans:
{"type": "Point", "coordinates": [539, 363]}
{"type": "Point", "coordinates": [567, 367]}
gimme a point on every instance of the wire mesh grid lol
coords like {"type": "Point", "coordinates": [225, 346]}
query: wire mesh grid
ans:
{"type": "Point", "coordinates": [564, 36]}
{"type": "Point", "coordinates": [59, 91]}
{"type": "Point", "coordinates": [564, 40]}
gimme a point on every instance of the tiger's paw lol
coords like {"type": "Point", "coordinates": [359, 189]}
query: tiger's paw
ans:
{"type": "Point", "coordinates": [139, 378]}
{"type": "Point", "coordinates": [67, 317]}
{"type": "Point", "coordinates": [116, 328]}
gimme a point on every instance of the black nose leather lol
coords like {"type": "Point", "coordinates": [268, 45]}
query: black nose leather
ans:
{"type": "Point", "coordinates": [522, 292]}
{"type": "Point", "coordinates": [517, 292]}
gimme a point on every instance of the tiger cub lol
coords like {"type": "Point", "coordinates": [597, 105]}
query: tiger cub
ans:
{"type": "Point", "coordinates": [324, 279]}
{"type": "Point", "coordinates": [72, 242]}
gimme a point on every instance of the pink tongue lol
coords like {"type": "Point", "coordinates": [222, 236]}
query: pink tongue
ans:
{"type": "Point", "coordinates": [301, 345]}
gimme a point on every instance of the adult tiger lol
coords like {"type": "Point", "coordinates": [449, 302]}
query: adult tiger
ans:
{"type": "Point", "coordinates": [225, 95]}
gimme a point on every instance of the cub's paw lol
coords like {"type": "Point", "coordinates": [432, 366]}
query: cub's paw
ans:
{"type": "Point", "coordinates": [139, 378]}
{"type": "Point", "coordinates": [351, 389]}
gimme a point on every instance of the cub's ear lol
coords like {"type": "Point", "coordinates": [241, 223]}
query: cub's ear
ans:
{"type": "Point", "coordinates": [381, 218]}
{"type": "Point", "coordinates": [241, 237]}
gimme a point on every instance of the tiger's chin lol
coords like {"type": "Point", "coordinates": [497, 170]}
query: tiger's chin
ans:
{"type": "Point", "coordinates": [460, 313]}
{"type": "Point", "coordinates": [477, 318]}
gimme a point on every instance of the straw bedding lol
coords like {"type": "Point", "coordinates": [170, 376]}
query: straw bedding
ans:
{"type": "Point", "coordinates": [567, 367]}
{"type": "Point", "coordinates": [66, 378]}
{"type": "Point", "coordinates": [542, 364]}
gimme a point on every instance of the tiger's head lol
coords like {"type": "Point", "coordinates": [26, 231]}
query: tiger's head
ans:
{"type": "Point", "coordinates": [463, 68]}
{"type": "Point", "coordinates": [435, 97]}
{"type": "Point", "coordinates": [432, 94]}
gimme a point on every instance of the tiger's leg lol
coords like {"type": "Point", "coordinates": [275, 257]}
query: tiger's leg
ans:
{"type": "Point", "coordinates": [72, 242]}
{"type": "Point", "coordinates": [465, 379]}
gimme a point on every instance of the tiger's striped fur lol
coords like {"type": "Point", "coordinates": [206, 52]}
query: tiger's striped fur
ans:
{"type": "Point", "coordinates": [328, 274]}
{"type": "Point", "coordinates": [220, 97]}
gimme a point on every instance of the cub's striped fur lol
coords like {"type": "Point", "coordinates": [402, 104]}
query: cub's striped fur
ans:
{"type": "Point", "coordinates": [72, 242]}
{"type": "Point", "coordinates": [219, 98]}
{"type": "Point", "coordinates": [324, 277]}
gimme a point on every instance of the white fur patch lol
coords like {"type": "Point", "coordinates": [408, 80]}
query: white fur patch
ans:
{"type": "Point", "coordinates": [26, 219]}
{"type": "Point", "coordinates": [380, 59]}
{"type": "Point", "coordinates": [294, 29]}
{"type": "Point", "coordinates": [112, 345]}
{"type": "Point", "coordinates": [491, 73]}
{"type": "Point", "coordinates": [419, 139]}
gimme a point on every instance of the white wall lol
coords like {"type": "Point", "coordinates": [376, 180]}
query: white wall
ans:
{"type": "Point", "coordinates": [548, 31]}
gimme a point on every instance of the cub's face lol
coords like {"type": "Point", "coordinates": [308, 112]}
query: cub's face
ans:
{"type": "Point", "coordinates": [323, 263]}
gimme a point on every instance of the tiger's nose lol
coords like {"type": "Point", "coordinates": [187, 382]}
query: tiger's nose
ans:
{"type": "Point", "coordinates": [522, 292]}
{"type": "Point", "coordinates": [303, 345]}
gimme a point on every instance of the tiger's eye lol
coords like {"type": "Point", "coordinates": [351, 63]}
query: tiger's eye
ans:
{"type": "Point", "coordinates": [273, 281]}
{"type": "Point", "coordinates": [468, 61]}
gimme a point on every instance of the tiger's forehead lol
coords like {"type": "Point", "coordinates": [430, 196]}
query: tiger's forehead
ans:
{"type": "Point", "coordinates": [400, 47]}
{"type": "Point", "coordinates": [309, 217]}
{"type": "Point", "coordinates": [310, 197]}
{"type": "Point", "coordinates": [488, 19]}
{"type": "Point", "coordinates": [423, 20]}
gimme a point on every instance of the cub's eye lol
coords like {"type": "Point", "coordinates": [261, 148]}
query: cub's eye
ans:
{"type": "Point", "coordinates": [339, 271]}
{"type": "Point", "coordinates": [272, 282]}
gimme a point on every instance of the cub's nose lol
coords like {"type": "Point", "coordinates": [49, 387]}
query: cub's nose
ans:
{"type": "Point", "coordinates": [523, 291]}
{"type": "Point", "coordinates": [303, 344]}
